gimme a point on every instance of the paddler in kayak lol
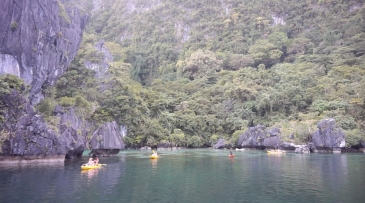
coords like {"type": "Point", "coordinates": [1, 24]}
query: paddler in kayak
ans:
{"type": "Point", "coordinates": [96, 161]}
{"type": "Point", "coordinates": [154, 153]}
{"type": "Point", "coordinates": [230, 153]}
{"type": "Point", "coordinates": [91, 162]}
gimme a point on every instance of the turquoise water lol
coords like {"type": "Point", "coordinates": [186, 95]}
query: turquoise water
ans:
{"type": "Point", "coordinates": [199, 175]}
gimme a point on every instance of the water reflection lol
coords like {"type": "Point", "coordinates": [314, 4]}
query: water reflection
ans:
{"type": "Point", "coordinates": [334, 174]}
{"type": "Point", "coordinates": [31, 165]}
{"type": "Point", "coordinates": [90, 173]}
{"type": "Point", "coordinates": [231, 158]}
{"type": "Point", "coordinates": [154, 163]}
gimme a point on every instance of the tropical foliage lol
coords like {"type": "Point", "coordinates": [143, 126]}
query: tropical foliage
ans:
{"type": "Point", "coordinates": [190, 72]}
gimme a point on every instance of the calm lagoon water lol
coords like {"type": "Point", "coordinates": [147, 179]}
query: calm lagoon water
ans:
{"type": "Point", "coordinates": [191, 175]}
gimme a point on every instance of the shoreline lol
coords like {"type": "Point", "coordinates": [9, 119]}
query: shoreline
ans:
{"type": "Point", "coordinates": [10, 160]}
{"type": "Point", "coordinates": [14, 159]}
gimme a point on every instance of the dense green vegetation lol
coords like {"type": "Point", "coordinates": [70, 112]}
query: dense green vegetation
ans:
{"type": "Point", "coordinates": [8, 83]}
{"type": "Point", "coordinates": [190, 72]}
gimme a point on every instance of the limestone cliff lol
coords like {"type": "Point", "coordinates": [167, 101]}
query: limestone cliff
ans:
{"type": "Point", "coordinates": [107, 139]}
{"type": "Point", "coordinates": [328, 137]}
{"type": "Point", "coordinates": [38, 40]}
{"type": "Point", "coordinates": [26, 134]}
{"type": "Point", "coordinates": [102, 67]}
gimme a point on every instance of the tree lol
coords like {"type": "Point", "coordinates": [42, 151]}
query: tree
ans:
{"type": "Point", "coordinates": [10, 82]}
{"type": "Point", "coordinates": [265, 52]}
{"type": "Point", "coordinates": [201, 63]}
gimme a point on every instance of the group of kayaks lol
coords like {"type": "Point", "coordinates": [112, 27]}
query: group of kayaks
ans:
{"type": "Point", "coordinates": [155, 156]}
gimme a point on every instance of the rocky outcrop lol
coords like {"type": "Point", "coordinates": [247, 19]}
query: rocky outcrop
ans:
{"type": "Point", "coordinates": [102, 67]}
{"type": "Point", "coordinates": [328, 138]}
{"type": "Point", "coordinates": [273, 141]}
{"type": "Point", "coordinates": [38, 40]}
{"type": "Point", "coordinates": [9, 65]}
{"type": "Point", "coordinates": [222, 144]}
{"type": "Point", "coordinates": [107, 140]}
{"type": "Point", "coordinates": [259, 138]}
{"type": "Point", "coordinates": [73, 131]}
{"type": "Point", "coordinates": [253, 137]}
{"type": "Point", "coordinates": [302, 149]}
{"type": "Point", "coordinates": [29, 137]}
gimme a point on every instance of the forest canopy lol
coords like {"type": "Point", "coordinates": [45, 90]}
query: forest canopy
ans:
{"type": "Point", "coordinates": [190, 72]}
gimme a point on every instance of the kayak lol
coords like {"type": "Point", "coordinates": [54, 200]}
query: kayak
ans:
{"type": "Point", "coordinates": [154, 156]}
{"type": "Point", "coordinates": [275, 151]}
{"type": "Point", "coordinates": [231, 155]}
{"type": "Point", "coordinates": [86, 167]}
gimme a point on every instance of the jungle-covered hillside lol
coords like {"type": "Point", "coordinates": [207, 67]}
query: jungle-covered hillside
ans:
{"type": "Point", "coordinates": [190, 72]}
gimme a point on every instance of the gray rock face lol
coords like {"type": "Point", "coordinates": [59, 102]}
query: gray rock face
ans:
{"type": "Point", "coordinates": [302, 149]}
{"type": "Point", "coordinates": [9, 64]}
{"type": "Point", "coordinates": [36, 42]}
{"type": "Point", "coordinates": [73, 131]}
{"type": "Point", "coordinates": [102, 67]}
{"type": "Point", "coordinates": [107, 139]}
{"type": "Point", "coordinates": [253, 137]}
{"type": "Point", "coordinates": [221, 144]}
{"type": "Point", "coordinates": [287, 146]}
{"type": "Point", "coordinates": [328, 136]}
{"type": "Point", "coordinates": [258, 137]}
{"type": "Point", "coordinates": [27, 133]}
{"type": "Point", "coordinates": [272, 142]}
{"type": "Point", "coordinates": [28, 136]}
{"type": "Point", "coordinates": [274, 132]}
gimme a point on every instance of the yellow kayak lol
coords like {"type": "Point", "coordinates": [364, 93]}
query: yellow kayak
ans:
{"type": "Point", "coordinates": [275, 151]}
{"type": "Point", "coordinates": [86, 167]}
{"type": "Point", "coordinates": [154, 156]}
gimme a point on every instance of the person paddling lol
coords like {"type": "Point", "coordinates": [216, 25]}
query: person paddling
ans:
{"type": "Point", "coordinates": [230, 153]}
{"type": "Point", "coordinates": [96, 161]}
{"type": "Point", "coordinates": [91, 162]}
